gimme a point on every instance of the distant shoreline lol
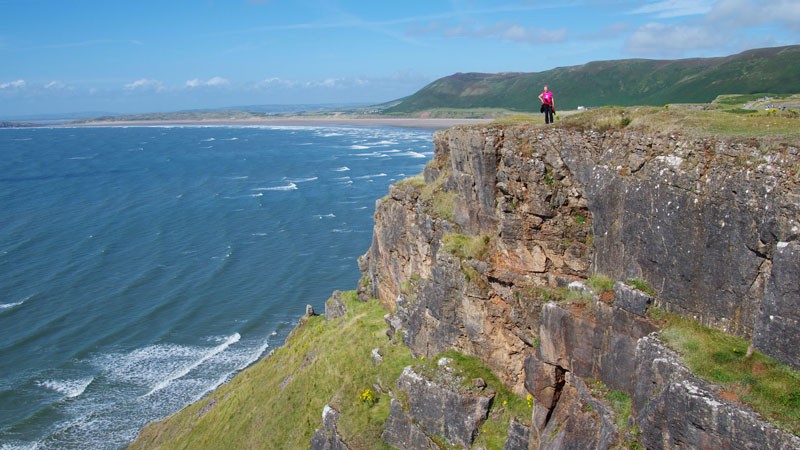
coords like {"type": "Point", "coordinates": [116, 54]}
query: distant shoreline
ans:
{"type": "Point", "coordinates": [435, 124]}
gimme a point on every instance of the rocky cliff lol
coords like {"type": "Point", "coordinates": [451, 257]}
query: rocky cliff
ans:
{"type": "Point", "coordinates": [489, 254]}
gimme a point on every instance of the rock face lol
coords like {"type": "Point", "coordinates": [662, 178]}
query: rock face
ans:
{"type": "Point", "coordinates": [436, 407]}
{"type": "Point", "coordinates": [508, 218]}
{"type": "Point", "coordinates": [674, 409]}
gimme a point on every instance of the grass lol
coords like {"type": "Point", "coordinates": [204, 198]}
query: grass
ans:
{"type": "Point", "coordinates": [439, 202]}
{"type": "Point", "coordinates": [467, 247]}
{"type": "Point", "coordinates": [600, 283]}
{"type": "Point", "coordinates": [277, 403]}
{"type": "Point", "coordinates": [770, 388]}
{"type": "Point", "coordinates": [780, 127]}
{"type": "Point", "coordinates": [641, 285]}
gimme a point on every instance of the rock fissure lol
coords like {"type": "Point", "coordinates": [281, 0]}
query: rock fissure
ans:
{"type": "Point", "coordinates": [559, 380]}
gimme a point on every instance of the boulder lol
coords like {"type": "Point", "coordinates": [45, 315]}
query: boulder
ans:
{"type": "Point", "coordinates": [327, 438]}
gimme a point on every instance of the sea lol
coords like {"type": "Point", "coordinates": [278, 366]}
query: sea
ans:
{"type": "Point", "coordinates": [142, 267]}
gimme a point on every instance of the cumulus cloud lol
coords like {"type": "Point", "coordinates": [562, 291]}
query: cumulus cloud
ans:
{"type": "Point", "coordinates": [211, 82]}
{"type": "Point", "coordinates": [16, 84]}
{"type": "Point", "coordinates": [145, 84]}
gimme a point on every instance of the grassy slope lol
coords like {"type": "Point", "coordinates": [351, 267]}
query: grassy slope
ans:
{"type": "Point", "coordinates": [277, 403]}
{"type": "Point", "coordinates": [624, 82]}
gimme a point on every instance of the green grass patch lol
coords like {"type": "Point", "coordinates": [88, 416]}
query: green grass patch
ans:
{"type": "Point", "coordinates": [417, 181]}
{"type": "Point", "coordinates": [600, 283]}
{"type": "Point", "coordinates": [506, 404]}
{"type": "Point", "coordinates": [439, 202]}
{"type": "Point", "coordinates": [278, 401]}
{"type": "Point", "coordinates": [641, 285]}
{"type": "Point", "coordinates": [770, 388]}
{"type": "Point", "coordinates": [467, 247]}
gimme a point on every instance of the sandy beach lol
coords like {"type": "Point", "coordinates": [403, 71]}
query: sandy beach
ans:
{"type": "Point", "coordinates": [435, 124]}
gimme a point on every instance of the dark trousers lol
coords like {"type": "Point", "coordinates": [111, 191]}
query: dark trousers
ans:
{"type": "Point", "coordinates": [548, 113]}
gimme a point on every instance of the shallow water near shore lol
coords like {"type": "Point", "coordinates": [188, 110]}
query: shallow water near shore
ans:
{"type": "Point", "coordinates": [142, 267]}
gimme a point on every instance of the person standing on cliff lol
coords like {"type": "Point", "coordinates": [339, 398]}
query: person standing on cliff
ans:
{"type": "Point", "coordinates": [548, 105]}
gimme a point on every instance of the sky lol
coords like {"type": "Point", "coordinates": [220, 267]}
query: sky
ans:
{"type": "Point", "coordinates": [60, 56]}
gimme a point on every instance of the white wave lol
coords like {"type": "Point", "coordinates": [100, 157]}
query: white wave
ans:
{"type": "Point", "coordinates": [20, 446]}
{"type": "Point", "coordinates": [413, 154]}
{"type": "Point", "coordinates": [210, 146]}
{"type": "Point", "coordinates": [259, 234]}
{"type": "Point", "coordinates": [391, 151]}
{"type": "Point", "coordinates": [209, 140]}
{"type": "Point", "coordinates": [180, 373]}
{"type": "Point", "coordinates": [82, 158]}
{"type": "Point", "coordinates": [242, 177]}
{"type": "Point", "coordinates": [257, 194]}
{"type": "Point", "coordinates": [22, 139]}
{"type": "Point", "coordinates": [342, 178]}
{"type": "Point", "coordinates": [70, 388]}
{"type": "Point", "coordinates": [367, 155]}
{"type": "Point", "coordinates": [300, 180]}
{"type": "Point", "coordinates": [325, 216]}
{"type": "Point", "coordinates": [5, 306]}
{"type": "Point", "coordinates": [367, 177]}
{"type": "Point", "coordinates": [231, 139]}
{"type": "Point", "coordinates": [359, 147]}
{"type": "Point", "coordinates": [342, 169]}
{"type": "Point", "coordinates": [362, 207]}
{"type": "Point", "coordinates": [289, 187]}
{"type": "Point", "coordinates": [386, 142]}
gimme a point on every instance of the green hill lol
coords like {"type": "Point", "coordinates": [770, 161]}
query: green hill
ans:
{"type": "Point", "coordinates": [623, 82]}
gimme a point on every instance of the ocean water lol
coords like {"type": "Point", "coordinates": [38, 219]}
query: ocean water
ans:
{"type": "Point", "coordinates": [142, 267]}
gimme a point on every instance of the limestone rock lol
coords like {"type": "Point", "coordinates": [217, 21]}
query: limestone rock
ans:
{"type": "Point", "coordinates": [778, 326]}
{"type": "Point", "coordinates": [518, 436]}
{"type": "Point", "coordinates": [334, 307]}
{"type": "Point", "coordinates": [402, 433]}
{"type": "Point", "coordinates": [675, 409]}
{"type": "Point", "coordinates": [437, 406]}
{"type": "Point", "coordinates": [631, 300]}
{"type": "Point", "coordinates": [597, 342]}
{"type": "Point", "coordinates": [327, 438]}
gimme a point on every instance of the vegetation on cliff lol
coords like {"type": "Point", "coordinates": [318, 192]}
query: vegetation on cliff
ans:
{"type": "Point", "coordinates": [770, 388]}
{"type": "Point", "coordinates": [277, 402]}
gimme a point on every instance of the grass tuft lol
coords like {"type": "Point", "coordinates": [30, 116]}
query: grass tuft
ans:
{"type": "Point", "coordinates": [467, 247]}
{"type": "Point", "coordinates": [600, 283]}
{"type": "Point", "coordinates": [641, 285]}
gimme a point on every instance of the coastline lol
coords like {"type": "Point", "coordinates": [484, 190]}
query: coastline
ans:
{"type": "Point", "coordinates": [435, 124]}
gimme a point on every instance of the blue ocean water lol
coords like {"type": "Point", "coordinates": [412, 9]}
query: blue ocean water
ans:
{"type": "Point", "coordinates": [141, 267]}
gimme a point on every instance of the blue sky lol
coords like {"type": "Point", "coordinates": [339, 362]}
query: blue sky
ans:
{"type": "Point", "coordinates": [139, 56]}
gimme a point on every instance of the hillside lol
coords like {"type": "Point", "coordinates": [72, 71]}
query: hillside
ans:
{"type": "Point", "coordinates": [622, 82]}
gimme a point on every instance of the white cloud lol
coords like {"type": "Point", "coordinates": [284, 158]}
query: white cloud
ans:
{"type": "Point", "coordinates": [211, 82]}
{"type": "Point", "coordinates": [145, 84]}
{"type": "Point", "coordinates": [670, 41]}
{"type": "Point", "coordinates": [16, 84]}
{"type": "Point", "coordinates": [675, 8]}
